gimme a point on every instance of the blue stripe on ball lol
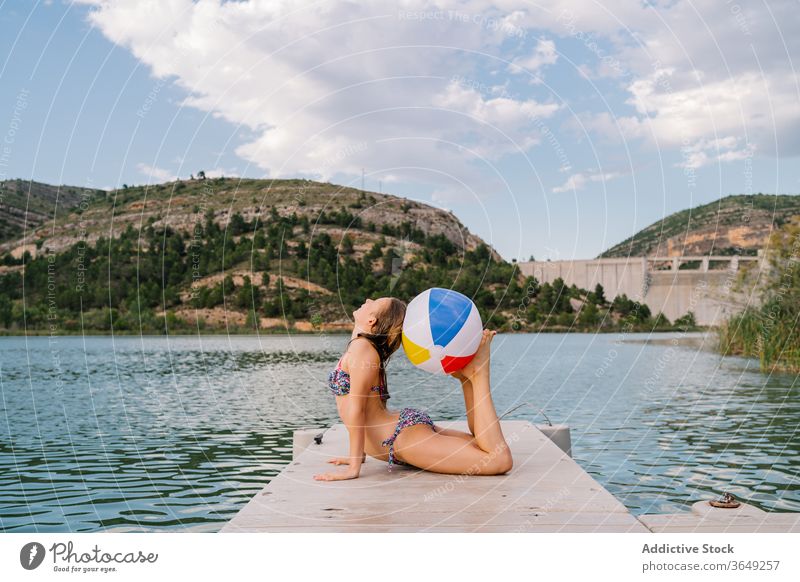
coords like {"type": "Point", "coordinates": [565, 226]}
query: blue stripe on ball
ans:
{"type": "Point", "coordinates": [448, 311]}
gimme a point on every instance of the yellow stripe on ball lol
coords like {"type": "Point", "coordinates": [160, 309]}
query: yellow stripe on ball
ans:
{"type": "Point", "coordinates": [417, 354]}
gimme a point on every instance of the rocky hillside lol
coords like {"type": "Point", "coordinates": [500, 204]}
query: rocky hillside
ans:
{"type": "Point", "coordinates": [178, 205]}
{"type": "Point", "coordinates": [243, 256]}
{"type": "Point", "coordinates": [28, 205]}
{"type": "Point", "coordinates": [739, 224]}
{"type": "Point", "coordinates": [228, 254]}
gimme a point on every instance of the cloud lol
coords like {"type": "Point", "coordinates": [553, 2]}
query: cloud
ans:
{"type": "Point", "coordinates": [704, 152]}
{"type": "Point", "coordinates": [338, 86]}
{"type": "Point", "coordinates": [578, 181]}
{"type": "Point", "coordinates": [698, 75]}
{"type": "Point", "coordinates": [543, 54]}
{"type": "Point", "coordinates": [331, 88]}
{"type": "Point", "coordinates": [154, 174]}
{"type": "Point", "coordinates": [220, 172]}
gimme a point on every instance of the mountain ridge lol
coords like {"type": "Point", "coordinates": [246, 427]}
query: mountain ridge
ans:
{"type": "Point", "coordinates": [179, 201]}
{"type": "Point", "coordinates": [734, 224]}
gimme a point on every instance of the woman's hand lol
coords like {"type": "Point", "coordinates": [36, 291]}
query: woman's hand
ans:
{"type": "Point", "coordinates": [340, 476]}
{"type": "Point", "coordinates": [480, 363]}
{"type": "Point", "coordinates": [345, 460]}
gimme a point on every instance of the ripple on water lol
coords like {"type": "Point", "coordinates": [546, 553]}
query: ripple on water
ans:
{"type": "Point", "coordinates": [148, 434]}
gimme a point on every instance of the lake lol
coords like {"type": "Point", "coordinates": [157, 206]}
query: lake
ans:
{"type": "Point", "coordinates": [177, 433]}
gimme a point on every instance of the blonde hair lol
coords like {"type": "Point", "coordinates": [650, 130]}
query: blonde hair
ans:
{"type": "Point", "coordinates": [387, 334]}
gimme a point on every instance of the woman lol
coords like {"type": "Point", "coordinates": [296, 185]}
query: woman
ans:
{"type": "Point", "coordinates": [359, 384]}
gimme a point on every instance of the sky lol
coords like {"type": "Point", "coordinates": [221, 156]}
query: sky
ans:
{"type": "Point", "coordinates": [551, 129]}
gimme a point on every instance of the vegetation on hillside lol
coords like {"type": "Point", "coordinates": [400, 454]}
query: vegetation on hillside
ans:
{"type": "Point", "coordinates": [770, 332]}
{"type": "Point", "coordinates": [555, 306]}
{"type": "Point", "coordinates": [139, 280]}
{"type": "Point", "coordinates": [25, 204]}
{"type": "Point", "coordinates": [758, 212]}
{"type": "Point", "coordinates": [245, 255]}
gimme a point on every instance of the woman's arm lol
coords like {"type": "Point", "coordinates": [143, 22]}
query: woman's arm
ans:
{"type": "Point", "coordinates": [363, 361]}
{"type": "Point", "coordinates": [345, 460]}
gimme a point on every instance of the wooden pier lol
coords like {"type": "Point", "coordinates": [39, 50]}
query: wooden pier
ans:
{"type": "Point", "coordinates": [706, 519]}
{"type": "Point", "coordinates": [545, 491]}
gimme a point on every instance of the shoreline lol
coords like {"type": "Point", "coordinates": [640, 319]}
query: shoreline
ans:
{"type": "Point", "coordinates": [338, 331]}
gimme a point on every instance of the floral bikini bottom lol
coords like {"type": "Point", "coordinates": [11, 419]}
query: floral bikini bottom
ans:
{"type": "Point", "coordinates": [408, 417]}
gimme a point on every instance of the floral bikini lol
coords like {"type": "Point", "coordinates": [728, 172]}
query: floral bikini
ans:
{"type": "Point", "coordinates": [339, 383]}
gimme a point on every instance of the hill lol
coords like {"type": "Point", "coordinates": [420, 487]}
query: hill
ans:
{"type": "Point", "coordinates": [228, 253]}
{"type": "Point", "coordinates": [28, 204]}
{"type": "Point", "coordinates": [232, 255]}
{"type": "Point", "coordinates": [737, 224]}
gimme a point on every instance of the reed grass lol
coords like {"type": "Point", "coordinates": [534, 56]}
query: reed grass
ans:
{"type": "Point", "coordinates": [770, 332]}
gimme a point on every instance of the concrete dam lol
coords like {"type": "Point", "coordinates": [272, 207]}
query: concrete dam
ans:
{"type": "Point", "coordinates": [712, 287]}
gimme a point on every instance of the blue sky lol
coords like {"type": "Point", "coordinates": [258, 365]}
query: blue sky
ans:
{"type": "Point", "coordinates": [553, 129]}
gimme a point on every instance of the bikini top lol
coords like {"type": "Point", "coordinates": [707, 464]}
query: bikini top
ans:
{"type": "Point", "coordinates": [339, 383]}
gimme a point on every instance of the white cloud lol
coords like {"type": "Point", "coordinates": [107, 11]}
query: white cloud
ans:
{"type": "Point", "coordinates": [578, 181]}
{"type": "Point", "coordinates": [510, 118]}
{"type": "Point", "coordinates": [154, 174]}
{"type": "Point", "coordinates": [707, 151]}
{"type": "Point", "coordinates": [314, 83]}
{"type": "Point", "coordinates": [354, 82]}
{"type": "Point", "coordinates": [219, 173]}
{"type": "Point", "coordinates": [543, 54]}
{"type": "Point", "coordinates": [696, 73]}
{"type": "Point", "coordinates": [715, 121]}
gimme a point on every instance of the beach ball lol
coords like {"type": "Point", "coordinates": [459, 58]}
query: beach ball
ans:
{"type": "Point", "coordinates": [441, 331]}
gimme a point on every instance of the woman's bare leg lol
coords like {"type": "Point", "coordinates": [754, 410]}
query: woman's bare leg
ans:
{"type": "Point", "coordinates": [466, 385]}
{"type": "Point", "coordinates": [487, 453]}
{"type": "Point", "coordinates": [456, 433]}
{"type": "Point", "coordinates": [469, 403]}
{"type": "Point", "coordinates": [469, 400]}
{"type": "Point", "coordinates": [487, 431]}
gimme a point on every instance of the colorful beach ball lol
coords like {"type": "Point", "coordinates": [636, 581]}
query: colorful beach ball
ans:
{"type": "Point", "coordinates": [441, 331]}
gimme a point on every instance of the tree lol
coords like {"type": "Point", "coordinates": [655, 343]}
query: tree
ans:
{"type": "Point", "coordinates": [532, 313]}
{"type": "Point", "coordinates": [272, 308]}
{"type": "Point", "coordinates": [375, 252]}
{"type": "Point", "coordinates": [622, 305]}
{"type": "Point", "coordinates": [238, 224]}
{"type": "Point", "coordinates": [599, 294]}
{"type": "Point", "coordinates": [201, 175]}
{"type": "Point", "coordinates": [6, 311]}
{"type": "Point", "coordinates": [686, 321]}
{"type": "Point", "coordinates": [347, 245]}
{"type": "Point", "coordinates": [228, 286]}
{"type": "Point", "coordinates": [660, 321]}
{"type": "Point", "coordinates": [560, 296]}
{"type": "Point", "coordinates": [589, 314]}
{"type": "Point", "coordinates": [628, 308]}
{"type": "Point", "coordinates": [247, 295]}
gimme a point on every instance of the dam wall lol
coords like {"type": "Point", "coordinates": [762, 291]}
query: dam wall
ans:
{"type": "Point", "coordinates": [712, 287]}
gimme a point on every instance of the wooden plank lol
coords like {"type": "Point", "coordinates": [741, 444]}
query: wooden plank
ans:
{"type": "Point", "coordinates": [727, 528]}
{"type": "Point", "coordinates": [442, 529]}
{"type": "Point", "coordinates": [691, 522]}
{"type": "Point", "coordinates": [546, 491]}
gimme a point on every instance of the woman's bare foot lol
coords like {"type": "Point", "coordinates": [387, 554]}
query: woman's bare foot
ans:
{"type": "Point", "coordinates": [480, 363]}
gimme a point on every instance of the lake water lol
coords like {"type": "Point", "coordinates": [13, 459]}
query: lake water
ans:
{"type": "Point", "coordinates": [155, 433]}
